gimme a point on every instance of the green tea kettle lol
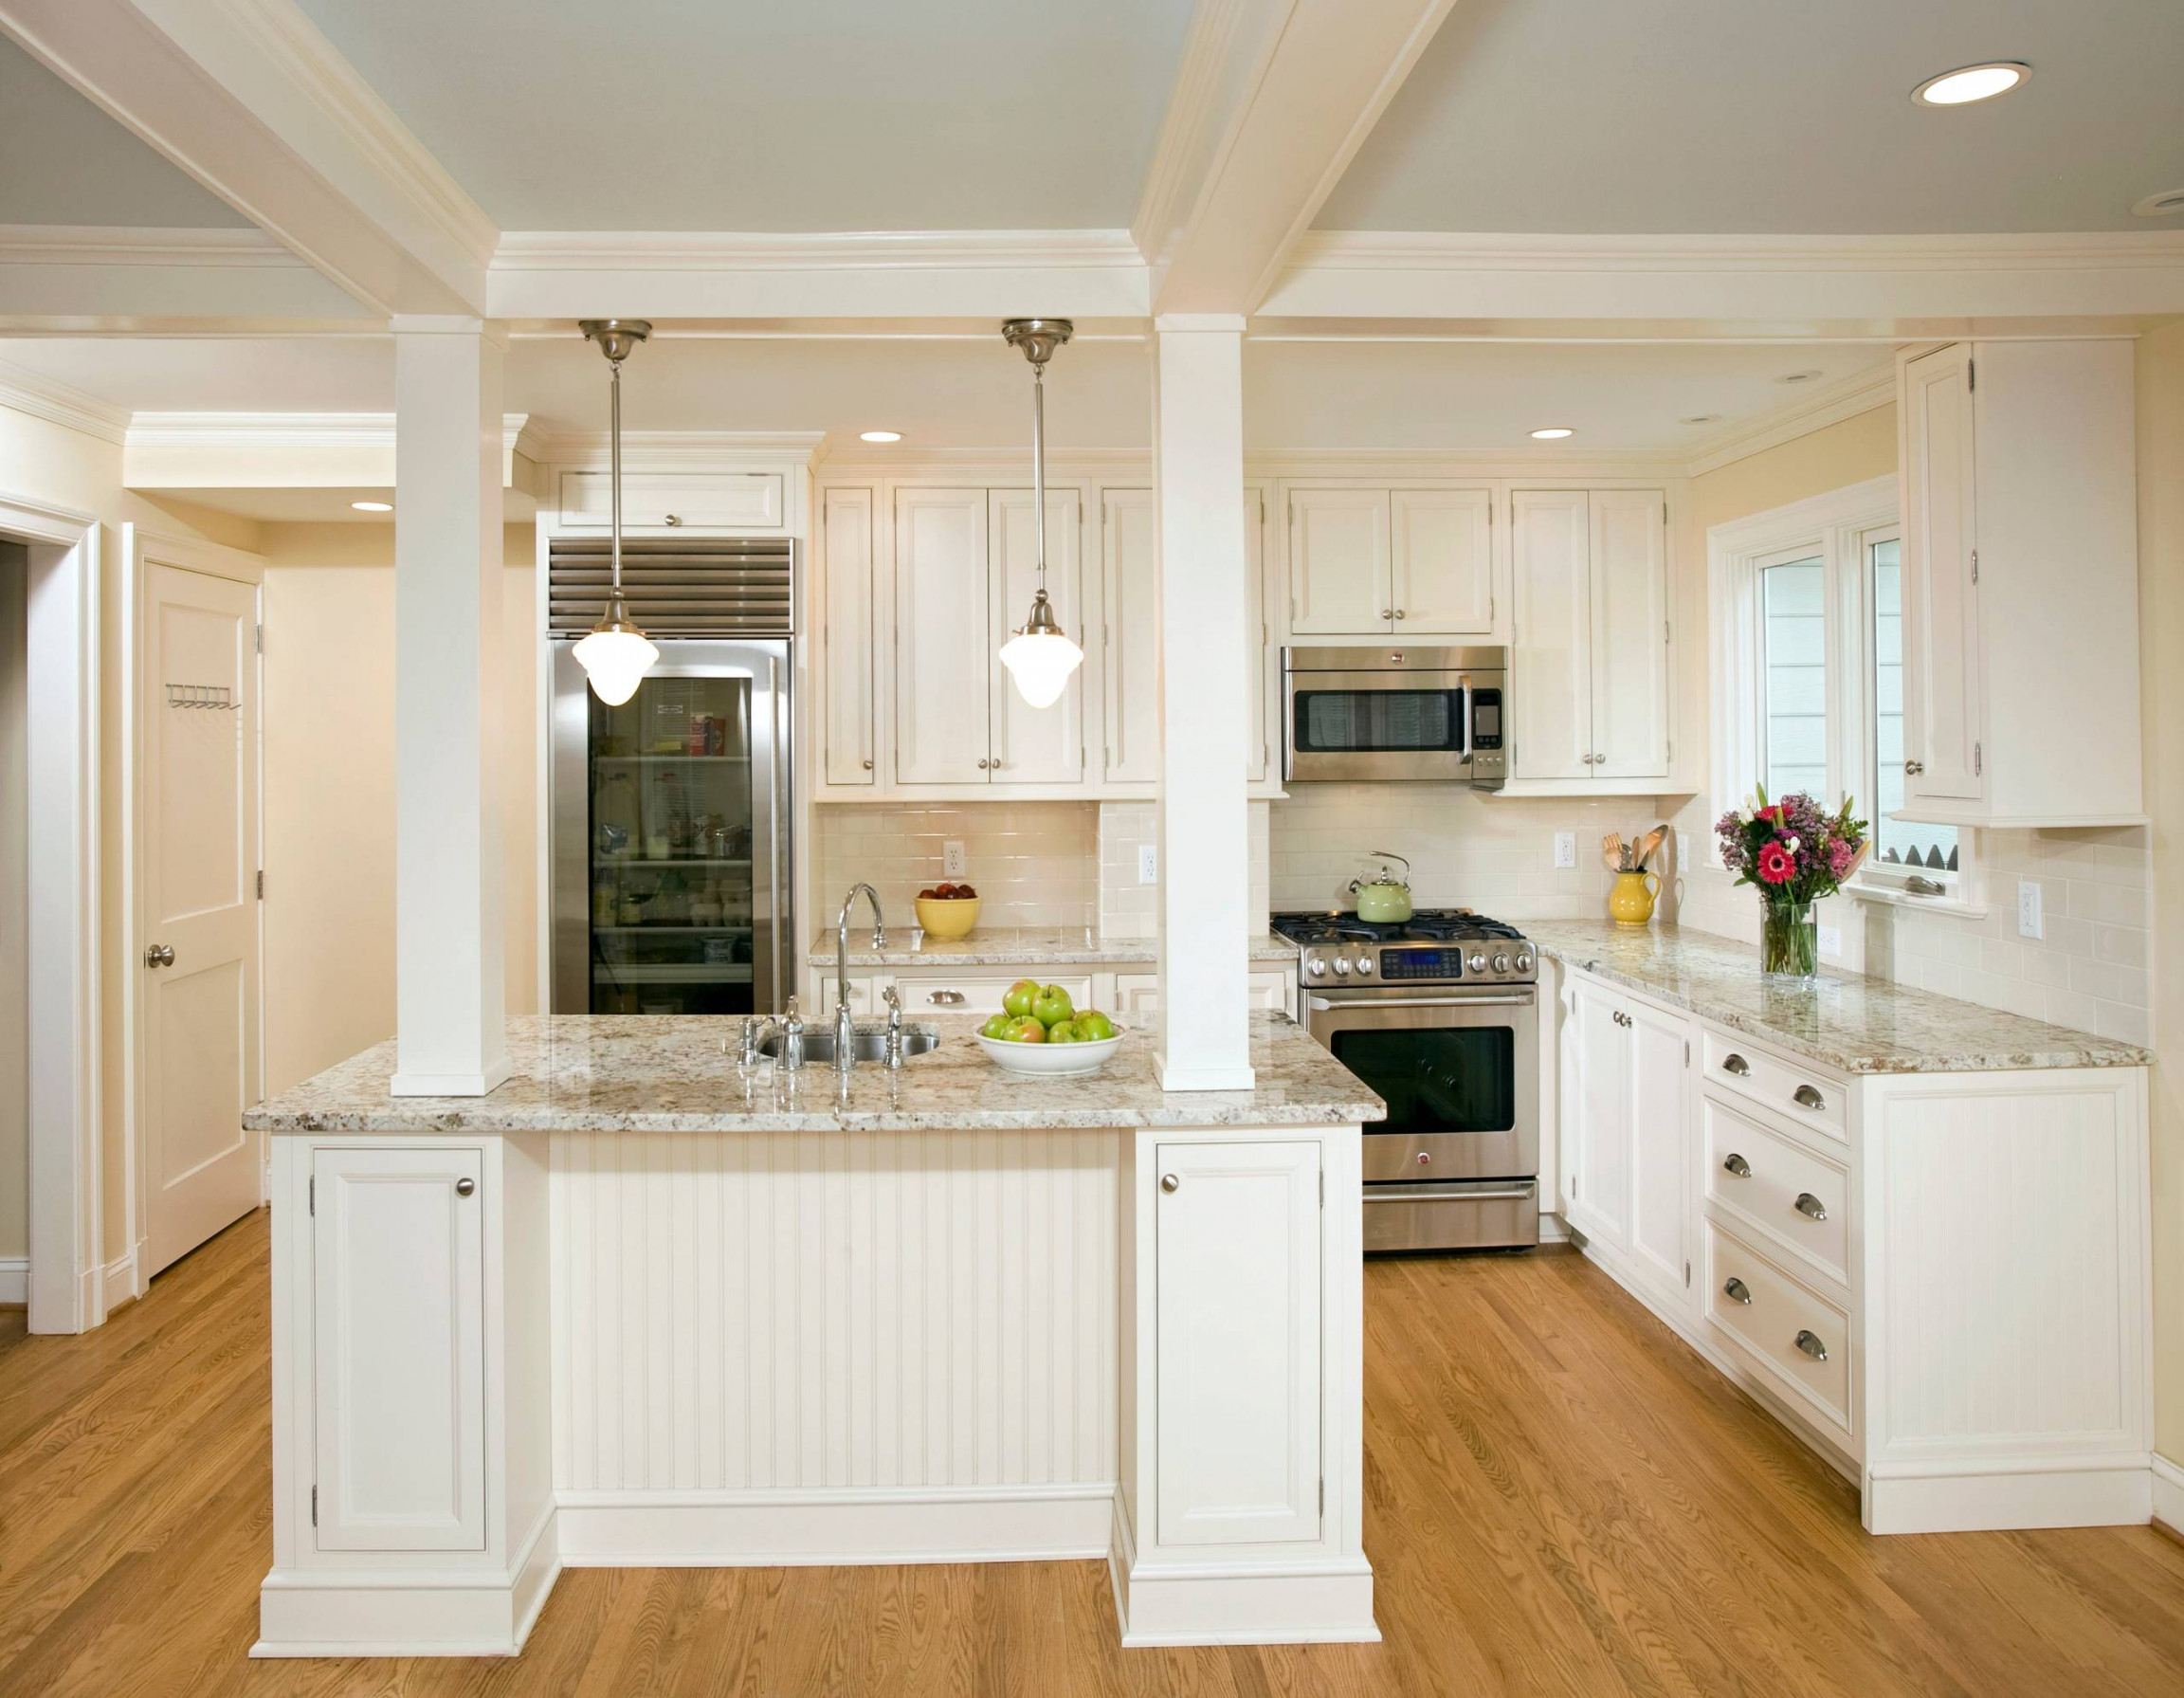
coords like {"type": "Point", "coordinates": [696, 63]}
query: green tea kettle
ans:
{"type": "Point", "coordinates": [1386, 900]}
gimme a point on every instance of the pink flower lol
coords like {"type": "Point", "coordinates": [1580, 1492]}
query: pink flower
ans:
{"type": "Point", "coordinates": [1777, 865]}
{"type": "Point", "coordinates": [1842, 856]}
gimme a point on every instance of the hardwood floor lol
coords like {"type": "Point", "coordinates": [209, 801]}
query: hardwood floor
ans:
{"type": "Point", "coordinates": [1561, 1499]}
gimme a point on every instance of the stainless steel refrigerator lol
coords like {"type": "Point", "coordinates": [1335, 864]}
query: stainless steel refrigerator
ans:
{"type": "Point", "coordinates": [672, 813]}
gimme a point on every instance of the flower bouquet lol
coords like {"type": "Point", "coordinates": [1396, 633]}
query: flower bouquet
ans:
{"type": "Point", "coordinates": [1796, 852]}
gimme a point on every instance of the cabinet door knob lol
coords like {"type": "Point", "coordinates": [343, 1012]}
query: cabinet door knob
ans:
{"type": "Point", "coordinates": [674, 518]}
{"type": "Point", "coordinates": [868, 766]}
{"type": "Point", "coordinates": [1738, 1289]}
{"type": "Point", "coordinates": [1169, 1181]}
{"type": "Point", "coordinates": [1805, 1096]}
{"type": "Point", "coordinates": [1809, 1343]}
{"type": "Point", "coordinates": [1811, 1206]}
{"type": "Point", "coordinates": [1733, 1063]}
{"type": "Point", "coordinates": [1737, 1165]}
{"type": "Point", "coordinates": [1398, 612]}
{"type": "Point", "coordinates": [159, 955]}
{"type": "Point", "coordinates": [1386, 612]}
{"type": "Point", "coordinates": [465, 1186]}
{"type": "Point", "coordinates": [1914, 767]}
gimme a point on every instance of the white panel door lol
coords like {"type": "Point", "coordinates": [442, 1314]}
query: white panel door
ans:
{"type": "Point", "coordinates": [1655, 1108]}
{"type": "Point", "coordinates": [1941, 677]}
{"type": "Point", "coordinates": [1629, 634]}
{"type": "Point", "coordinates": [1550, 654]}
{"type": "Point", "coordinates": [1130, 586]}
{"type": "Point", "coordinates": [398, 1333]}
{"type": "Point", "coordinates": [198, 1047]}
{"type": "Point", "coordinates": [1036, 745]}
{"type": "Point", "coordinates": [1441, 544]}
{"type": "Point", "coordinates": [943, 631]}
{"type": "Point", "coordinates": [1600, 1198]}
{"type": "Point", "coordinates": [847, 658]}
{"type": "Point", "coordinates": [1339, 564]}
{"type": "Point", "coordinates": [1237, 1265]}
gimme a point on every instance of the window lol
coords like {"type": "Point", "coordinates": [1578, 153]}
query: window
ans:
{"type": "Point", "coordinates": [1808, 676]}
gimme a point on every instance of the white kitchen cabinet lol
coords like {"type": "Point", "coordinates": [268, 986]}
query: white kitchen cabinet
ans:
{"type": "Point", "coordinates": [1338, 562]}
{"type": "Point", "coordinates": [1413, 562]}
{"type": "Point", "coordinates": [398, 1362]}
{"type": "Point", "coordinates": [1630, 1178]}
{"type": "Point", "coordinates": [1589, 655]}
{"type": "Point", "coordinates": [1138, 995]}
{"type": "Point", "coordinates": [2020, 563]}
{"type": "Point", "coordinates": [1599, 1139]}
{"type": "Point", "coordinates": [979, 990]}
{"type": "Point", "coordinates": [1026, 744]}
{"type": "Point", "coordinates": [668, 502]}
{"type": "Point", "coordinates": [943, 637]}
{"type": "Point", "coordinates": [1237, 1305]}
{"type": "Point", "coordinates": [848, 728]}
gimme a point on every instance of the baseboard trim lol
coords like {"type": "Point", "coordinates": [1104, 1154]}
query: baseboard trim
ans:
{"type": "Point", "coordinates": [777, 1529]}
{"type": "Point", "coordinates": [1316, 1599]}
{"type": "Point", "coordinates": [2167, 1494]}
{"type": "Point", "coordinates": [14, 1282]}
{"type": "Point", "coordinates": [120, 1280]}
{"type": "Point", "coordinates": [2008, 1493]}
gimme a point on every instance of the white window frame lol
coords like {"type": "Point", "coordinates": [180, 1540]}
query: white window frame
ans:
{"type": "Point", "coordinates": [1838, 528]}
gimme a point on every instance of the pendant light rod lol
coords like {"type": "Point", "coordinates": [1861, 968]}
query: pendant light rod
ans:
{"type": "Point", "coordinates": [1040, 657]}
{"type": "Point", "coordinates": [616, 653]}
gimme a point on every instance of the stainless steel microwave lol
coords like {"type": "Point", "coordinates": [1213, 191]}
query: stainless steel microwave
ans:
{"type": "Point", "coordinates": [1435, 715]}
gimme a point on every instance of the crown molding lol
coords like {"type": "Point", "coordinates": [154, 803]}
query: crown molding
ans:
{"type": "Point", "coordinates": [1191, 127]}
{"type": "Point", "coordinates": [122, 245]}
{"type": "Point", "coordinates": [851, 250]}
{"type": "Point", "coordinates": [59, 403]}
{"type": "Point", "coordinates": [1844, 399]}
{"type": "Point", "coordinates": [300, 431]}
{"type": "Point", "coordinates": [582, 450]}
{"type": "Point", "coordinates": [1433, 250]}
{"type": "Point", "coordinates": [1010, 461]}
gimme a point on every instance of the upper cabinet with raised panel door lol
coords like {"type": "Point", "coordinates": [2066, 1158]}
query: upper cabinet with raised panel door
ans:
{"type": "Point", "coordinates": [2020, 585]}
{"type": "Point", "coordinates": [849, 731]}
{"type": "Point", "coordinates": [1035, 745]}
{"type": "Point", "coordinates": [1377, 562]}
{"type": "Point", "coordinates": [1589, 657]}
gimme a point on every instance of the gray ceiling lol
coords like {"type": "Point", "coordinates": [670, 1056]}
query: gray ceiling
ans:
{"type": "Point", "coordinates": [64, 161]}
{"type": "Point", "coordinates": [777, 115]}
{"type": "Point", "coordinates": [1738, 117]}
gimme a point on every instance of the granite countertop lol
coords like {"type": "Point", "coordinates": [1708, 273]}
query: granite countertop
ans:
{"type": "Point", "coordinates": [1847, 1021]}
{"type": "Point", "coordinates": [1010, 946]}
{"type": "Point", "coordinates": [633, 1074]}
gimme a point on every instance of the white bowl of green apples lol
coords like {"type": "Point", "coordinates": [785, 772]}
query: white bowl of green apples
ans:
{"type": "Point", "coordinates": [1040, 1032]}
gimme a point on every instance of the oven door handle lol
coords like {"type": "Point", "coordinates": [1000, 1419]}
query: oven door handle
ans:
{"type": "Point", "coordinates": [1327, 1004]}
{"type": "Point", "coordinates": [1449, 1194]}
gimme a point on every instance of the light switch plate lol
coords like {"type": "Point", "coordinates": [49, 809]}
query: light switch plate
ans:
{"type": "Point", "coordinates": [2028, 921]}
{"type": "Point", "coordinates": [1565, 848]}
{"type": "Point", "coordinates": [1147, 863]}
{"type": "Point", "coordinates": [1832, 941]}
{"type": "Point", "coordinates": [954, 863]}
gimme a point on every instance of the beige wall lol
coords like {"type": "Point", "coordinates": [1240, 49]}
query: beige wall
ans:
{"type": "Point", "coordinates": [330, 790]}
{"type": "Point", "coordinates": [14, 915]}
{"type": "Point", "coordinates": [2160, 373]}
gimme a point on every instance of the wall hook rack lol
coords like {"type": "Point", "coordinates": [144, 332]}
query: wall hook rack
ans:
{"type": "Point", "coordinates": [202, 694]}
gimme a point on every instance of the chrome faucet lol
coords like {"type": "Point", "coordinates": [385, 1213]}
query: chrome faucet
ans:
{"type": "Point", "coordinates": [893, 1054]}
{"type": "Point", "coordinates": [844, 1021]}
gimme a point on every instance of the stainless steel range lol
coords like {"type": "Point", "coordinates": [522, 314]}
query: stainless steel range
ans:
{"type": "Point", "coordinates": [1440, 1015]}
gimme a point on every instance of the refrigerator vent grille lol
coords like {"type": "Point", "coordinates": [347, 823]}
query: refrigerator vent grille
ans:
{"type": "Point", "coordinates": [676, 586]}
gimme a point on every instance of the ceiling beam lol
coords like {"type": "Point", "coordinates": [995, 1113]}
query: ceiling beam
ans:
{"type": "Point", "coordinates": [250, 99]}
{"type": "Point", "coordinates": [1272, 101]}
{"type": "Point", "coordinates": [62, 275]}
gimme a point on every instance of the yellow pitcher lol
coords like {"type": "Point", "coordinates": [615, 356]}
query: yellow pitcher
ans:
{"type": "Point", "coordinates": [1631, 902]}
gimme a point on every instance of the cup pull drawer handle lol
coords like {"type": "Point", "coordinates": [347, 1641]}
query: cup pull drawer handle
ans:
{"type": "Point", "coordinates": [1733, 1063]}
{"type": "Point", "coordinates": [1811, 1206]}
{"type": "Point", "coordinates": [1805, 1096]}
{"type": "Point", "coordinates": [946, 998]}
{"type": "Point", "coordinates": [1737, 1165]}
{"type": "Point", "coordinates": [1738, 1289]}
{"type": "Point", "coordinates": [1809, 1343]}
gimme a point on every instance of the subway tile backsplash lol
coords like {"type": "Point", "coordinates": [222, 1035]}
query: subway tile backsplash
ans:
{"type": "Point", "coordinates": [1033, 864]}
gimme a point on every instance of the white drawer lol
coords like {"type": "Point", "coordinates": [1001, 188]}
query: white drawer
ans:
{"type": "Point", "coordinates": [677, 501]}
{"type": "Point", "coordinates": [1805, 1096]}
{"type": "Point", "coordinates": [1765, 1313]}
{"type": "Point", "coordinates": [980, 991]}
{"type": "Point", "coordinates": [1792, 1197]}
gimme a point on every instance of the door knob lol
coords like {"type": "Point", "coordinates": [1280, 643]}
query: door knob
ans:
{"type": "Point", "coordinates": [159, 955]}
{"type": "Point", "coordinates": [1169, 1181]}
{"type": "Point", "coordinates": [868, 766]}
{"type": "Point", "coordinates": [1914, 767]}
{"type": "Point", "coordinates": [465, 1186]}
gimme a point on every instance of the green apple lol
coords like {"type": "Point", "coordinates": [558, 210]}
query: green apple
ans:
{"type": "Point", "coordinates": [1062, 1031]}
{"type": "Point", "coordinates": [1017, 999]}
{"type": "Point", "coordinates": [997, 1026]}
{"type": "Point", "coordinates": [1094, 1026]}
{"type": "Point", "coordinates": [1028, 1031]}
{"type": "Point", "coordinates": [1052, 1006]}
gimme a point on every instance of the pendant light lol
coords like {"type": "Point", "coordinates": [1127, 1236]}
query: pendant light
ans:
{"type": "Point", "coordinates": [1041, 656]}
{"type": "Point", "coordinates": [617, 653]}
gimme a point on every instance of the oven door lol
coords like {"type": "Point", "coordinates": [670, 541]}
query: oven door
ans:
{"type": "Point", "coordinates": [1353, 725]}
{"type": "Point", "coordinates": [1458, 1070]}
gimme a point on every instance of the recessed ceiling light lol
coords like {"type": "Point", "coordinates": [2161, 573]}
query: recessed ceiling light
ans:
{"type": "Point", "coordinates": [373, 506]}
{"type": "Point", "coordinates": [1797, 377]}
{"type": "Point", "coordinates": [2160, 205]}
{"type": "Point", "coordinates": [879, 436]}
{"type": "Point", "coordinates": [1970, 83]}
{"type": "Point", "coordinates": [1552, 433]}
{"type": "Point", "coordinates": [1703, 418]}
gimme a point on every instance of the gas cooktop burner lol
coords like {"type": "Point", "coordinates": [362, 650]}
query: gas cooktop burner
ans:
{"type": "Point", "coordinates": [1428, 925]}
{"type": "Point", "coordinates": [1341, 947]}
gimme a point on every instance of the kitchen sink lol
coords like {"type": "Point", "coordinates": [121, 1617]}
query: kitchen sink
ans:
{"type": "Point", "coordinates": [869, 1044]}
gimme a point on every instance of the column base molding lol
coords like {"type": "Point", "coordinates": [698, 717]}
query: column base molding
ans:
{"type": "Point", "coordinates": [1315, 1599]}
{"type": "Point", "coordinates": [450, 1085]}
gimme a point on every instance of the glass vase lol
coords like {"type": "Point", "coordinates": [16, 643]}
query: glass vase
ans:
{"type": "Point", "coordinates": [1788, 939]}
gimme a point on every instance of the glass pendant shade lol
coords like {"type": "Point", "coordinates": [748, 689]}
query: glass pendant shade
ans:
{"type": "Point", "coordinates": [1040, 662]}
{"type": "Point", "coordinates": [615, 659]}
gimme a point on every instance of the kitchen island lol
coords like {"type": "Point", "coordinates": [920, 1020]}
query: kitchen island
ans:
{"type": "Point", "coordinates": [643, 1306]}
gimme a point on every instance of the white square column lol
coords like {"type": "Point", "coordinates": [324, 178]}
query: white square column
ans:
{"type": "Point", "coordinates": [1204, 827]}
{"type": "Point", "coordinates": [450, 997]}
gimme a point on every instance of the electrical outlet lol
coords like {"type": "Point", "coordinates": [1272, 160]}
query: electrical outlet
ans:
{"type": "Point", "coordinates": [1565, 848]}
{"type": "Point", "coordinates": [1832, 941]}
{"type": "Point", "coordinates": [954, 863]}
{"type": "Point", "coordinates": [1147, 863]}
{"type": "Point", "coordinates": [2028, 908]}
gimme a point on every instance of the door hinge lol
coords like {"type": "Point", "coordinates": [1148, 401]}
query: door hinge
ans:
{"type": "Point", "coordinates": [1686, 1052]}
{"type": "Point", "coordinates": [1974, 565]}
{"type": "Point", "coordinates": [260, 883]}
{"type": "Point", "coordinates": [1978, 760]}
{"type": "Point", "coordinates": [1573, 1184]}
{"type": "Point", "coordinates": [1971, 375]}
{"type": "Point", "coordinates": [1664, 636]}
{"type": "Point", "coordinates": [1261, 509]}
{"type": "Point", "coordinates": [314, 1506]}
{"type": "Point", "coordinates": [1687, 1274]}
{"type": "Point", "coordinates": [1322, 1494]}
{"type": "Point", "coordinates": [311, 1195]}
{"type": "Point", "coordinates": [258, 638]}
{"type": "Point", "coordinates": [1322, 1187]}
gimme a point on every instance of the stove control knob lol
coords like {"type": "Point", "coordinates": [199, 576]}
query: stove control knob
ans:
{"type": "Point", "coordinates": [1525, 961]}
{"type": "Point", "coordinates": [1316, 967]}
{"type": "Point", "coordinates": [1478, 962]}
{"type": "Point", "coordinates": [1364, 966]}
{"type": "Point", "coordinates": [1342, 966]}
{"type": "Point", "coordinates": [1501, 963]}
